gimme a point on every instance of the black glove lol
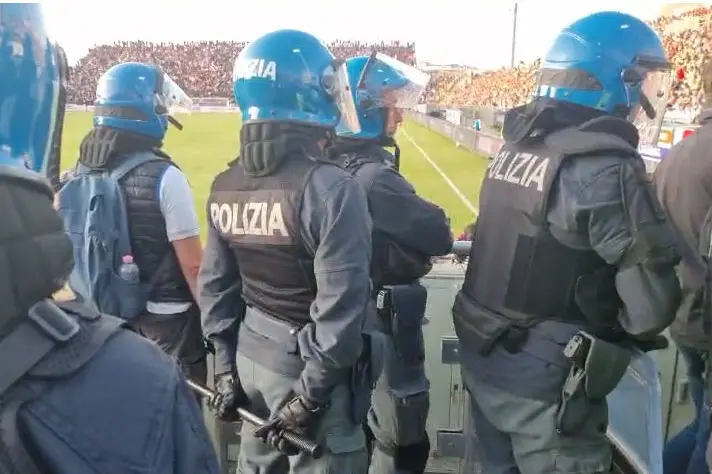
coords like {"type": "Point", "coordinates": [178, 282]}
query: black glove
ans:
{"type": "Point", "coordinates": [228, 396]}
{"type": "Point", "coordinates": [298, 415]}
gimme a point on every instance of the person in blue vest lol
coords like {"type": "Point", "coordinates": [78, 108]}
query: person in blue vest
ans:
{"type": "Point", "coordinates": [572, 260]}
{"type": "Point", "coordinates": [284, 283]}
{"type": "Point", "coordinates": [132, 113]}
{"type": "Point", "coordinates": [79, 393]}
{"type": "Point", "coordinates": [407, 232]}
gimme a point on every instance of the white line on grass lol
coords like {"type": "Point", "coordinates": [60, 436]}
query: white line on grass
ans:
{"type": "Point", "coordinates": [452, 185]}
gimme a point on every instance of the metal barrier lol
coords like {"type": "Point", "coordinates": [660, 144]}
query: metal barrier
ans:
{"type": "Point", "coordinates": [484, 143]}
{"type": "Point", "coordinates": [461, 248]}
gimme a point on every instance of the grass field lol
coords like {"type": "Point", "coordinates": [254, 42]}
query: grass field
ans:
{"type": "Point", "coordinates": [209, 141]}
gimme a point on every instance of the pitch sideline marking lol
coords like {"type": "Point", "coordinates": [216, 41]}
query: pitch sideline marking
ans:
{"type": "Point", "coordinates": [468, 204]}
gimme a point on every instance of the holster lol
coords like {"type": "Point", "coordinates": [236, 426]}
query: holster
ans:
{"type": "Point", "coordinates": [401, 311]}
{"type": "Point", "coordinates": [597, 366]}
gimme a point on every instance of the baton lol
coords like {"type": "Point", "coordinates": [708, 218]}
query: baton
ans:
{"type": "Point", "coordinates": [303, 444]}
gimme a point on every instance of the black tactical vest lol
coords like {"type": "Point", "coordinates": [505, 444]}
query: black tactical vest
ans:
{"type": "Point", "coordinates": [260, 217]}
{"type": "Point", "coordinates": [152, 250]}
{"type": "Point", "coordinates": [58, 341]}
{"type": "Point", "coordinates": [519, 274]}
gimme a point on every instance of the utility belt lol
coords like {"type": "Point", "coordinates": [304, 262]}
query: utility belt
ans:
{"type": "Point", "coordinates": [275, 344]}
{"type": "Point", "coordinates": [272, 342]}
{"type": "Point", "coordinates": [485, 328]}
{"type": "Point", "coordinates": [591, 301]}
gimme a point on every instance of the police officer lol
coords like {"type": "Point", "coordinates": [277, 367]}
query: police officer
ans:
{"type": "Point", "coordinates": [572, 260]}
{"type": "Point", "coordinates": [284, 279]}
{"type": "Point", "coordinates": [78, 393]}
{"type": "Point", "coordinates": [407, 232]}
{"type": "Point", "coordinates": [132, 113]}
{"type": "Point", "coordinates": [683, 181]}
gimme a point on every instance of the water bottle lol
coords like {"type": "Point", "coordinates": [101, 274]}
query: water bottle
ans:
{"type": "Point", "coordinates": [128, 271]}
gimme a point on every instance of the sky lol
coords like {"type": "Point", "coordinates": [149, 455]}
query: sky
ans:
{"type": "Point", "coordinates": [469, 32]}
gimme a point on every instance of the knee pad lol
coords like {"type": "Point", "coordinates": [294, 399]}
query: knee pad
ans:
{"type": "Point", "coordinates": [412, 458]}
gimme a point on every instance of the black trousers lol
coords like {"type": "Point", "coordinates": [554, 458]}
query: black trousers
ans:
{"type": "Point", "coordinates": [180, 336]}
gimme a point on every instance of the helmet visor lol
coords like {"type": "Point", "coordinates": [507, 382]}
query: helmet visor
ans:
{"type": "Point", "coordinates": [53, 154]}
{"type": "Point", "coordinates": [388, 82]}
{"type": "Point", "coordinates": [336, 82]}
{"type": "Point", "coordinates": [172, 97]}
{"type": "Point", "coordinates": [649, 113]}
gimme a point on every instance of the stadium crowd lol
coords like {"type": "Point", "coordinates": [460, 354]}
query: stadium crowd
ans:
{"type": "Point", "coordinates": [687, 38]}
{"type": "Point", "coordinates": [204, 68]}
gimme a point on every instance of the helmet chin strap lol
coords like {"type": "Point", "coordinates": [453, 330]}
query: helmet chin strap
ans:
{"type": "Point", "coordinates": [390, 142]}
{"type": "Point", "coordinates": [396, 154]}
{"type": "Point", "coordinates": [330, 138]}
{"type": "Point", "coordinates": [387, 141]}
{"type": "Point", "coordinates": [172, 120]}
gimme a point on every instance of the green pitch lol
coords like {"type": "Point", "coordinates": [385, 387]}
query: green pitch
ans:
{"type": "Point", "coordinates": [209, 141]}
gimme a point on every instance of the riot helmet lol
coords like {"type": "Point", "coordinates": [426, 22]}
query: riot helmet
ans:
{"type": "Point", "coordinates": [139, 98]}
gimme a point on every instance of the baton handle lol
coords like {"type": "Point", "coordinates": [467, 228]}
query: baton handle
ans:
{"type": "Point", "coordinates": [303, 444]}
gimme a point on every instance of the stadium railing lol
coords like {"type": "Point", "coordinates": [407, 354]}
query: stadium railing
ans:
{"type": "Point", "coordinates": [484, 143]}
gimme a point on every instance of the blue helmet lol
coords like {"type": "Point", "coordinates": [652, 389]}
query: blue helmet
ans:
{"type": "Point", "coordinates": [289, 75]}
{"type": "Point", "coordinates": [139, 98]}
{"type": "Point", "coordinates": [609, 61]}
{"type": "Point", "coordinates": [378, 83]}
{"type": "Point", "coordinates": [29, 88]}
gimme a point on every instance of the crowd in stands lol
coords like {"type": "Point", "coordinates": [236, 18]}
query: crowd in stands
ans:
{"type": "Point", "coordinates": [687, 39]}
{"type": "Point", "coordinates": [504, 88]}
{"type": "Point", "coordinates": [204, 68]}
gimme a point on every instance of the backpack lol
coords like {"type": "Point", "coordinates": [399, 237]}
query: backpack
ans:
{"type": "Point", "coordinates": [54, 341]}
{"type": "Point", "coordinates": [93, 207]}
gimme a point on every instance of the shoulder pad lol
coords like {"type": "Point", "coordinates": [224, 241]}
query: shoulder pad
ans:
{"type": "Point", "coordinates": [604, 134]}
